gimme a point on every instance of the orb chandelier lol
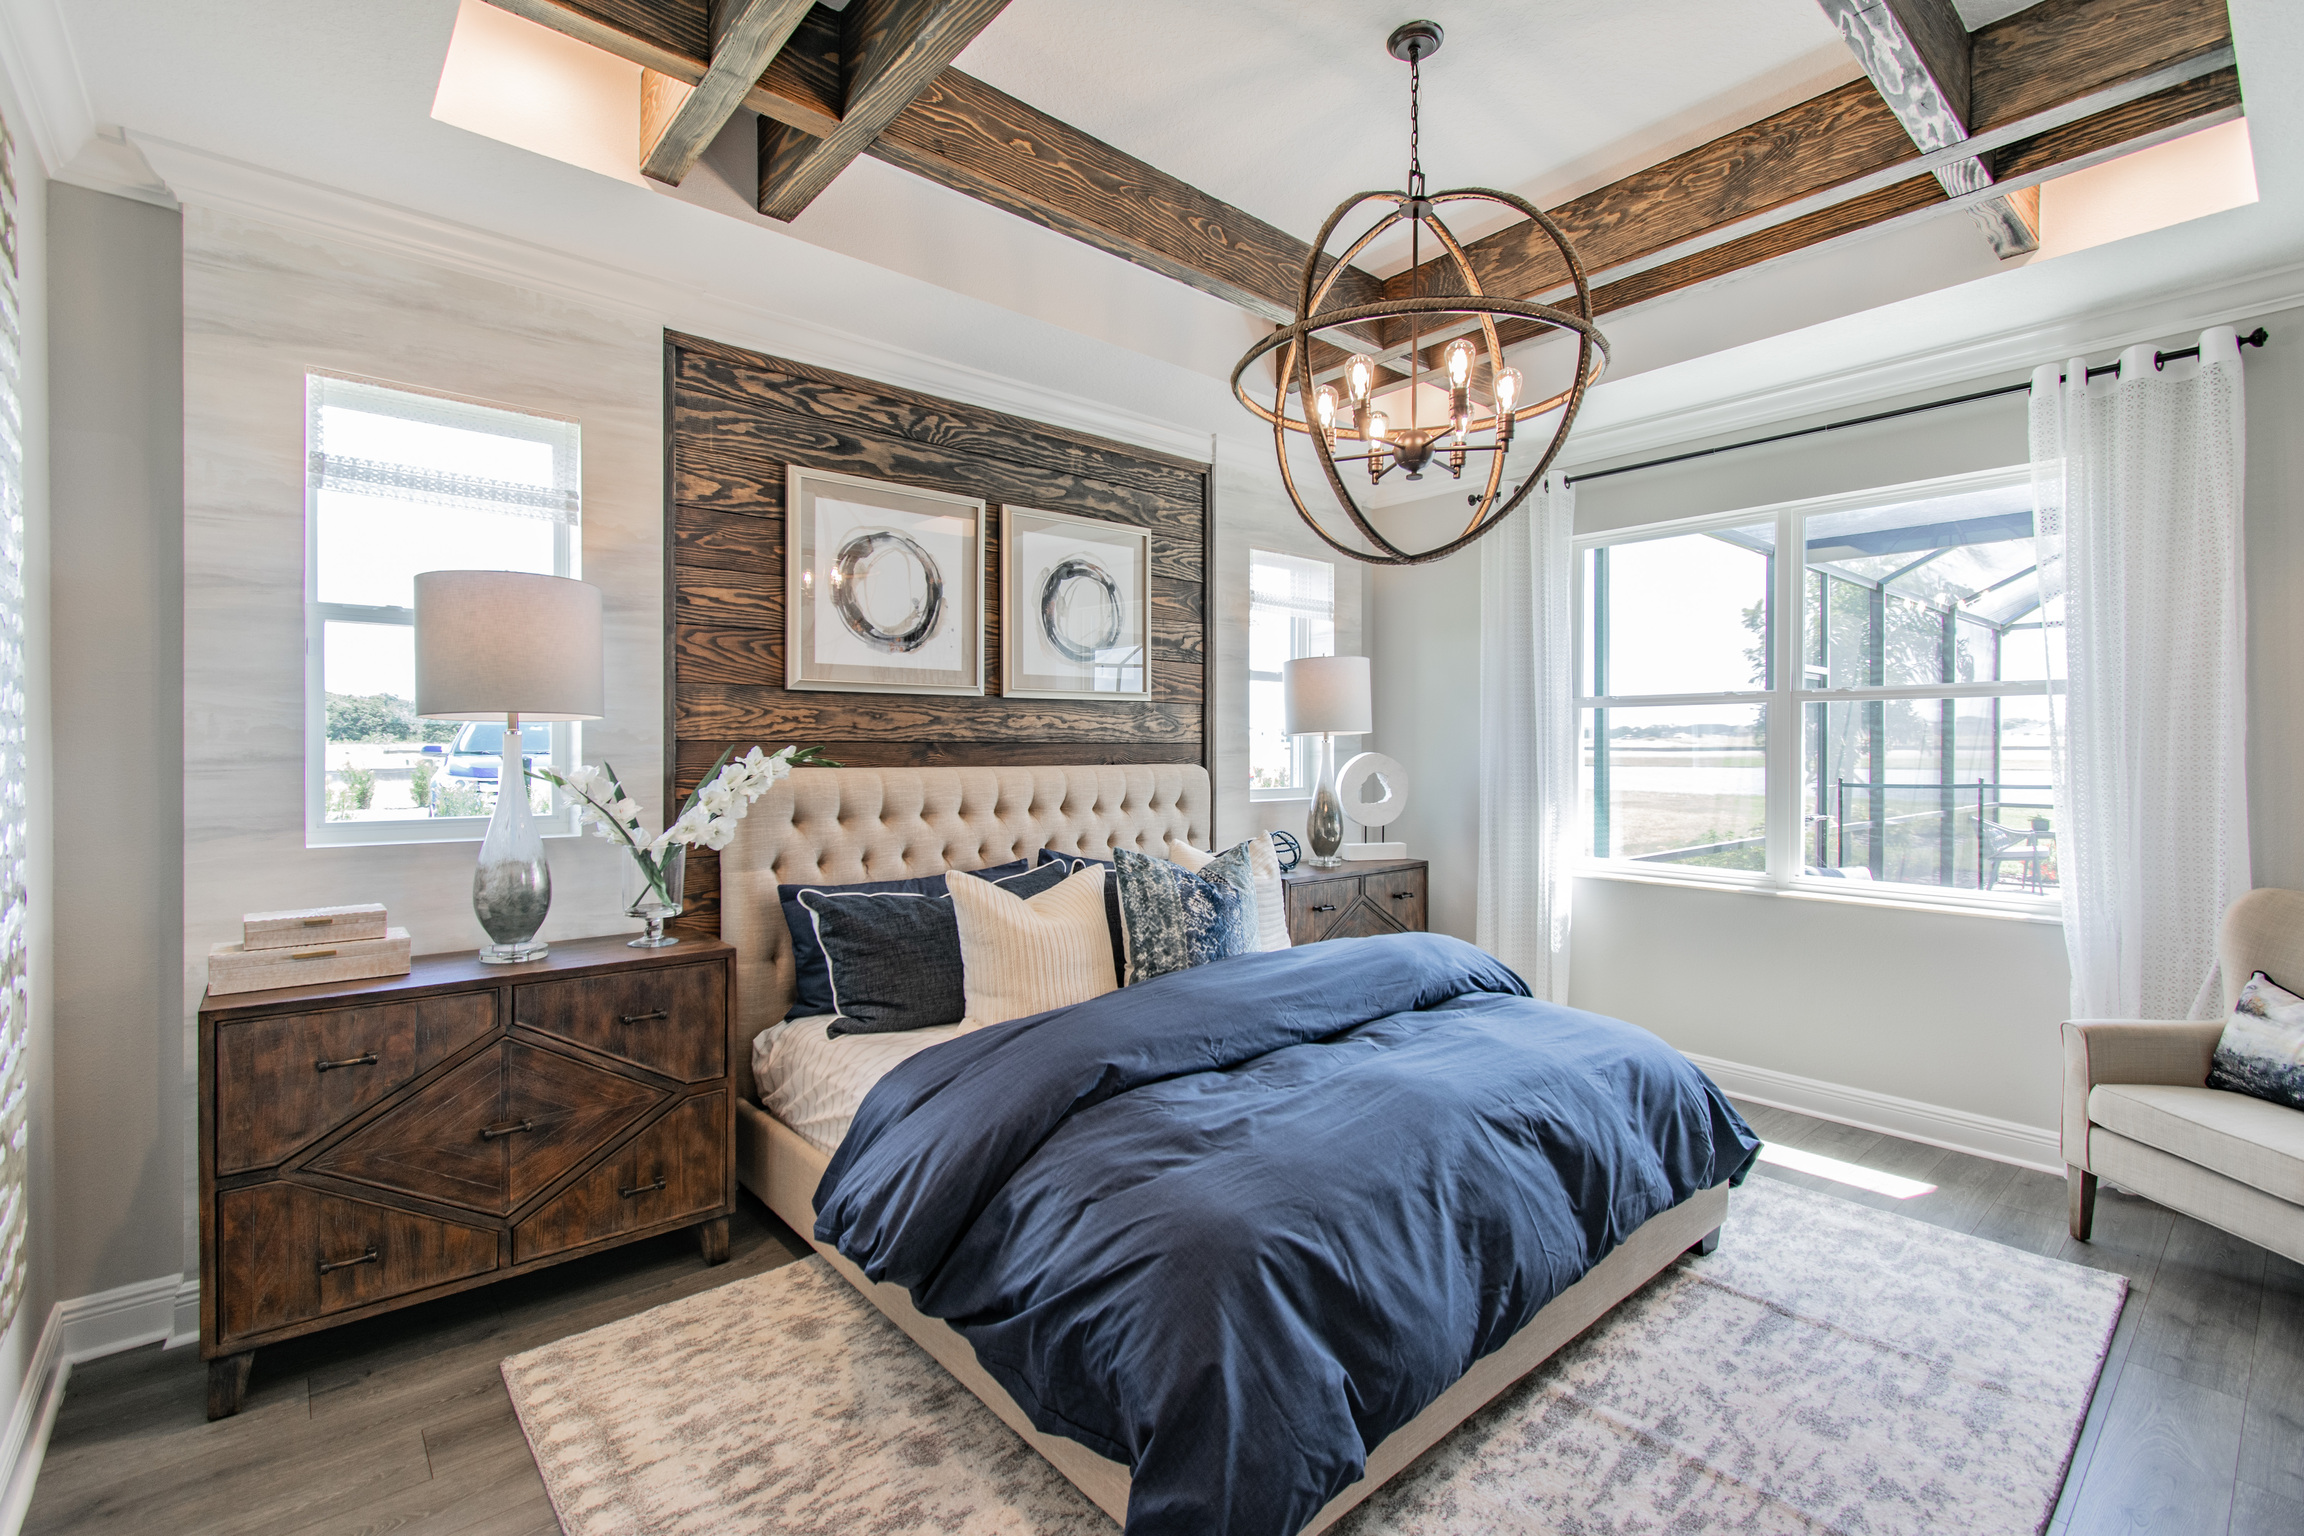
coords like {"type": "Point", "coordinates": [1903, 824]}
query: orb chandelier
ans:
{"type": "Point", "coordinates": [1411, 343]}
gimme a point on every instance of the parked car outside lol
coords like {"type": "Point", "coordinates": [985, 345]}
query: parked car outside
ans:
{"type": "Point", "coordinates": [475, 756]}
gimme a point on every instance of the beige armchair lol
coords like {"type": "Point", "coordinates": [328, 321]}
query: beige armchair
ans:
{"type": "Point", "coordinates": [2138, 1111]}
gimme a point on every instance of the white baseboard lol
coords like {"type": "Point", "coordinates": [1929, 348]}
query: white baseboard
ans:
{"type": "Point", "coordinates": [84, 1328]}
{"type": "Point", "coordinates": [186, 1329]}
{"type": "Point", "coordinates": [2003, 1141]}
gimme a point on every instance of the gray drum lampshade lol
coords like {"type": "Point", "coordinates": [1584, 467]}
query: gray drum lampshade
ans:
{"type": "Point", "coordinates": [1327, 694]}
{"type": "Point", "coordinates": [507, 642]}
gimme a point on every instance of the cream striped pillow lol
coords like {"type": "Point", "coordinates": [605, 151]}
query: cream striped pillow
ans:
{"type": "Point", "coordinates": [1020, 957]}
{"type": "Point", "coordinates": [1264, 870]}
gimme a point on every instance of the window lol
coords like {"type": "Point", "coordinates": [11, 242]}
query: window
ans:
{"type": "Point", "coordinates": [401, 481]}
{"type": "Point", "coordinates": [1291, 613]}
{"type": "Point", "coordinates": [1874, 713]}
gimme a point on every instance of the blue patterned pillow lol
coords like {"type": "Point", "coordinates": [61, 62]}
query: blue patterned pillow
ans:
{"type": "Point", "coordinates": [1173, 918]}
{"type": "Point", "coordinates": [2261, 1052]}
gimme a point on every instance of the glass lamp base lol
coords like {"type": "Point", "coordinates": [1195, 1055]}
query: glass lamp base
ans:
{"type": "Point", "coordinates": [1324, 828]}
{"type": "Point", "coordinates": [513, 954]}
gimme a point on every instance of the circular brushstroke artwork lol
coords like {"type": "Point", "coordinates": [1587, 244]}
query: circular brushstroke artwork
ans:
{"type": "Point", "coordinates": [887, 590]}
{"type": "Point", "coordinates": [1080, 609]}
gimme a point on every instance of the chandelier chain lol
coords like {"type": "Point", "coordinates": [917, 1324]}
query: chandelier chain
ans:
{"type": "Point", "coordinates": [1415, 128]}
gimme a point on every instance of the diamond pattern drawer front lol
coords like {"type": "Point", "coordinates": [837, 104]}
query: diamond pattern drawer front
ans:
{"type": "Point", "coordinates": [672, 1020]}
{"type": "Point", "coordinates": [280, 1082]}
{"type": "Point", "coordinates": [669, 1170]}
{"type": "Point", "coordinates": [1315, 907]}
{"type": "Point", "coordinates": [492, 1133]}
{"type": "Point", "coordinates": [301, 1254]}
{"type": "Point", "coordinates": [1356, 900]}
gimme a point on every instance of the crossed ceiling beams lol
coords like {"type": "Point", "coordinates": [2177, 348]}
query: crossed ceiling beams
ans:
{"type": "Point", "coordinates": [1943, 118]}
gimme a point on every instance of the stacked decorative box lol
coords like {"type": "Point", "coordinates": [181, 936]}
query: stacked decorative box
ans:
{"type": "Point", "coordinates": [316, 944]}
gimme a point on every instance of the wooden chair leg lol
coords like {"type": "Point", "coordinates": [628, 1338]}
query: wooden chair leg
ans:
{"type": "Point", "coordinates": [712, 1240]}
{"type": "Point", "coordinates": [228, 1383]}
{"type": "Point", "coordinates": [2082, 1186]}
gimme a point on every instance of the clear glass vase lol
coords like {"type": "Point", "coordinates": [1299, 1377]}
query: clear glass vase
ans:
{"type": "Point", "coordinates": [1324, 827]}
{"type": "Point", "coordinates": [512, 887]}
{"type": "Point", "coordinates": [653, 894]}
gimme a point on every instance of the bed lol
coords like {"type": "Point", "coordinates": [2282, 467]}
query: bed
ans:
{"type": "Point", "coordinates": [841, 826]}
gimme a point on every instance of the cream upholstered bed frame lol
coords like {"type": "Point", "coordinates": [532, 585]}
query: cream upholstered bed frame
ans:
{"type": "Point", "coordinates": [842, 825]}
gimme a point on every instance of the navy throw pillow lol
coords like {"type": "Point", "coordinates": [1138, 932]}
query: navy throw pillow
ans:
{"type": "Point", "coordinates": [1176, 919]}
{"type": "Point", "coordinates": [892, 958]}
{"type": "Point", "coordinates": [811, 984]}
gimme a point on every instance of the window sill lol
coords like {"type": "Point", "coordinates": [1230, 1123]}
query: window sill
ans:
{"type": "Point", "coordinates": [1905, 900]}
{"type": "Point", "coordinates": [1255, 795]}
{"type": "Point", "coordinates": [400, 834]}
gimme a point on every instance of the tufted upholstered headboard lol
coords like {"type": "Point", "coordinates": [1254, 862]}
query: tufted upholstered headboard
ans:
{"type": "Point", "coordinates": [842, 825]}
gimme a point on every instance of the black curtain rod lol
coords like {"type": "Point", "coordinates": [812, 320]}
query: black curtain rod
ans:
{"type": "Point", "coordinates": [2255, 338]}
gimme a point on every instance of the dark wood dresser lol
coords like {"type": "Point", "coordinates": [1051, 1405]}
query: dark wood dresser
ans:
{"type": "Point", "coordinates": [1355, 899]}
{"type": "Point", "coordinates": [366, 1145]}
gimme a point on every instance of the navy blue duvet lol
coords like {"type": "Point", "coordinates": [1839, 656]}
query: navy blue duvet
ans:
{"type": "Point", "coordinates": [1234, 1225]}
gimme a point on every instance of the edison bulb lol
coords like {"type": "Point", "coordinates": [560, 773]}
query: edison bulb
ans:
{"type": "Point", "coordinates": [1459, 362]}
{"type": "Point", "coordinates": [1379, 426]}
{"type": "Point", "coordinates": [1359, 376]}
{"type": "Point", "coordinates": [1324, 401]}
{"type": "Point", "coordinates": [1507, 391]}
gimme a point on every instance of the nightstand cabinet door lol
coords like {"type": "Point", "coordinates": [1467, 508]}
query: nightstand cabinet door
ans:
{"type": "Point", "coordinates": [1354, 901]}
{"type": "Point", "coordinates": [1315, 907]}
{"type": "Point", "coordinates": [667, 1020]}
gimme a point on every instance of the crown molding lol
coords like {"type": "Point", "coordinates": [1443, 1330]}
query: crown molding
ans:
{"type": "Point", "coordinates": [36, 50]}
{"type": "Point", "coordinates": [2009, 354]}
{"type": "Point", "coordinates": [198, 178]}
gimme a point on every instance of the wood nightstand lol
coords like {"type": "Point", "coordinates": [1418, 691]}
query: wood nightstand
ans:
{"type": "Point", "coordinates": [367, 1145]}
{"type": "Point", "coordinates": [1355, 899]}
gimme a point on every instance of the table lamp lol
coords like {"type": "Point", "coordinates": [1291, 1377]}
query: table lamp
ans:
{"type": "Point", "coordinates": [1327, 696]}
{"type": "Point", "coordinates": [515, 644]}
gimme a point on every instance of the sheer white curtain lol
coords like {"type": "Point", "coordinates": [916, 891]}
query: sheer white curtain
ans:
{"type": "Point", "coordinates": [2137, 483]}
{"type": "Point", "coordinates": [1528, 742]}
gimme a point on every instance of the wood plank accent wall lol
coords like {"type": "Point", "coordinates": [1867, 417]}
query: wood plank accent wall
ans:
{"type": "Point", "coordinates": [735, 419]}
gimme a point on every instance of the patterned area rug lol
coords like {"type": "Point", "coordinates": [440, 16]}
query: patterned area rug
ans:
{"type": "Point", "coordinates": [1832, 1368]}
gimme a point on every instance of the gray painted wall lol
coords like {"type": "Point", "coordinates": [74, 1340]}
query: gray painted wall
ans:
{"type": "Point", "coordinates": [117, 438]}
{"type": "Point", "coordinates": [1947, 1009]}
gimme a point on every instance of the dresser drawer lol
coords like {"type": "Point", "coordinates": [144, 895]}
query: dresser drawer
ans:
{"type": "Point", "coordinates": [286, 1255]}
{"type": "Point", "coordinates": [671, 1020]}
{"type": "Point", "coordinates": [1315, 906]}
{"type": "Point", "coordinates": [677, 1167]}
{"type": "Point", "coordinates": [281, 1082]}
{"type": "Point", "coordinates": [1399, 895]}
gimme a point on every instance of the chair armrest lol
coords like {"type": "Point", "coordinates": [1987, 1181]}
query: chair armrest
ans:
{"type": "Point", "coordinates": [2175, 1052]}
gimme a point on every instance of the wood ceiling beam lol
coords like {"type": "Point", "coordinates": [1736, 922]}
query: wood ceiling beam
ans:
{"type": "Point", "coordinates": [2080, 57]}
{"type": "Point", "coordinates": [677, 120]}
{"type": "Point", "coordinates": [964, 134]}
{"type": "Point", "coordinates": [890, 50]}
{"type": "Point", "coordinates": [1916, 54]}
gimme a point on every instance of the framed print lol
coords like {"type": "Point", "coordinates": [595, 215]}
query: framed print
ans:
{"type": "Point", "coordinates": [1075, 596]}
{"type": "Point", "coordinates": [883, 586]}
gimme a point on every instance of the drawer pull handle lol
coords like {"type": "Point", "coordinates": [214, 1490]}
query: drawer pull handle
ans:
{"type": "Point", "coordinates": [310, 954]}
{"type": "Point", "coordinates": [508, 1128]}
{"type": "Point", "coordinates": [367, 1258]}
{"type": "Point", "coordinates": [641, 1018]}
{"type": "Point", "coordinates": [1403, 895]}
{"type": "Point", "coordinates": [1328, 908]}
{"type": "Point", "coordinates": [643, 1189]}
{"type": "Point", "coordinates": [319, 922]}
{"type": "Point", "coordinates": [366, 1060]}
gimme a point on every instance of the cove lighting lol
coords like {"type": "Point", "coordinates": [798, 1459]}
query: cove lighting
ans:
{"type": "Point", "coordinates": [2172, 183]}
{"type": "Point", "coordinates": [526, 85]}
{"type": "Point", "coordinates": [1843, 1173]}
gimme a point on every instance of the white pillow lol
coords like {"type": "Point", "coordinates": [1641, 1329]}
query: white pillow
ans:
{"type": "Point", "coordinates": [1023, 956]}
{"type": "Point", "coordinates": [1264, 870]}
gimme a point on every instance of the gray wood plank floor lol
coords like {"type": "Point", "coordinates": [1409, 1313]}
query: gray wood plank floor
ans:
{"type": "Point", "coordinates": [401, 1424]}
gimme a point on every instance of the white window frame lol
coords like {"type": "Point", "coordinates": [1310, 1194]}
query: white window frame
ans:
{"type": "Point", "coordinates": [319, 831]}
{"type": "Point", "coordinates": [1301, 749]}
{"type": "Point", "coordinates": [1786, 713]}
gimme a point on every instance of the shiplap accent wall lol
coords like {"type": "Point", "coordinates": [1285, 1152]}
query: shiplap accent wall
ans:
{"type": "Point", "coordinates": [737, 418]}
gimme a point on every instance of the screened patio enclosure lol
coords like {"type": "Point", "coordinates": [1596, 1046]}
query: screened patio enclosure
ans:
{"type": "Point", "coordinates": [1915, 721]}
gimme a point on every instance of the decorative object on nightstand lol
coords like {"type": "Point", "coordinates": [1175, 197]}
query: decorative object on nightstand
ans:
{"type": "Point", "coordinates": [515, 644]}
{"type": "Point", "coordinates": [1327, 696]}
{"type": "Point", "coordinates": [656, 872]}
{"type": "Point", "coordinates": [1352, 782]}
{"type": "Point", "coordinates": [1290, 851]}
{"type": "Point", "coordinates": [367, 1145]}
{"type": "Point", "coordinates": [1353, 900]}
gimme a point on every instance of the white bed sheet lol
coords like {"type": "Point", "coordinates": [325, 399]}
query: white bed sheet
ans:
{"type": "Point", "coordinates": [815, 1085]}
